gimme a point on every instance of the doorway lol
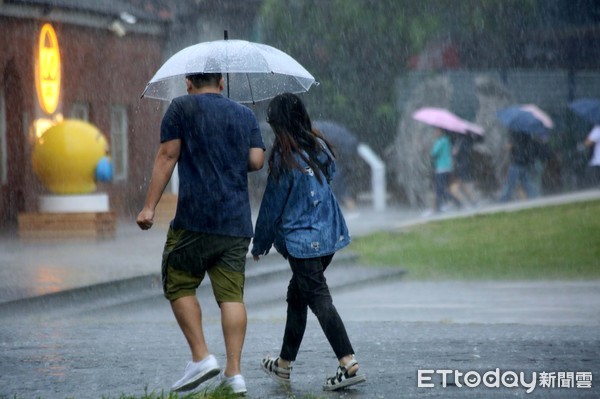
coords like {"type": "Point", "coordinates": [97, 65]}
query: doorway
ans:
{"type": "Point", "coordinates": [12, 157]}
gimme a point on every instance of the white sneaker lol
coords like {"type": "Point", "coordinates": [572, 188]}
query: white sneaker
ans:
{"type": "Point", "coordinates": [236, 383]}
{"type": "Point", "coordinates": [196, 373]}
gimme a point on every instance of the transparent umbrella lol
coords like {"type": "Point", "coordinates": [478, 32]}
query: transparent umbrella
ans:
{"type": "Point", "coordinates": [255, 71]}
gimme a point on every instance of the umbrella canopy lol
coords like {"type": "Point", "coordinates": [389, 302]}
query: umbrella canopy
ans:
{"type": "Point", "coordinates": [255, 71]}
{"type": "Point", "coordinates": [342, 139]}
{"type": "Point", "coordinates": [520, 120]}
{"type": "Point", "coordinates": [539, 114]}
{"type": "Point", "coordinates": [444, 119]}
{"type": "Point", "coordinates": [588, 109]}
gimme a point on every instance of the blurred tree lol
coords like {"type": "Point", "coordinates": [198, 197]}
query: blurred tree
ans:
{"type": "Point", "coordinates": [357, 48]}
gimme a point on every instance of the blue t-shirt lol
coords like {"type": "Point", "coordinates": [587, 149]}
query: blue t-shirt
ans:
{"type": "Point", "coordinates": [216, 136]}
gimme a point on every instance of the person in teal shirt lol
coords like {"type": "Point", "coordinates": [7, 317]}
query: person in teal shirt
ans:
{"type": "Point", "coordinates": [441, 155]}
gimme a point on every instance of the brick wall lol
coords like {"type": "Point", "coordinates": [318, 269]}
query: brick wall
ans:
{"type": "Point", "coordinates": [98, 68]}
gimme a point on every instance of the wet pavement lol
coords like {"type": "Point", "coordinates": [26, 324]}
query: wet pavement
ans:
{"type": "Point", "coordinates": [87, 320]}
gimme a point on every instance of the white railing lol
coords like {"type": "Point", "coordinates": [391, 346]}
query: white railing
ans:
{"type": "Point", "coordinates": [378, 184]}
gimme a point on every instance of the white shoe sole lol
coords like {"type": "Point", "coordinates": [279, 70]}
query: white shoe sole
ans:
{"type": "Point", "coordinates": [197, 380]}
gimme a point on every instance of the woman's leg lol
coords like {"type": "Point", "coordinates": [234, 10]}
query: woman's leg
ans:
{"type": "Point", "coordinates": [297, 311]}
{"type": "Point", "coordinates": [511, 182]}
{"type": "Point", "coordinates": [314, 291]}
{"type": "Point", "coordinates": [446, 194]}
{"type": "Point", "coordinates": [525, 181]}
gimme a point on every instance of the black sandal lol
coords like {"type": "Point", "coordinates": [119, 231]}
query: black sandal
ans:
{"type": "Point", "coordinates": [343, 379]}
{"type": "Point", "coordinates": [271, 367]}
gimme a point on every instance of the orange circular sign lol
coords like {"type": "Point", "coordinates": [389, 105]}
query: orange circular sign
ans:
{"type": "Point", "coordinates": [47, 74]}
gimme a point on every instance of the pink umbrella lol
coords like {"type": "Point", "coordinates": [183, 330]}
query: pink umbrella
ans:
{"type": "Point", "coordinates": [539, 114]}
{"type": "Point", "coordinates": [444, 119]}
{"type": "Point", "coordinates": [472, 127]}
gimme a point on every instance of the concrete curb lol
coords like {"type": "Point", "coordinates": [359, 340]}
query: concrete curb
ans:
{"type": "Point", "coordinates": [141, 288]}
{"type": "Point", "coordinates": [271, 267]}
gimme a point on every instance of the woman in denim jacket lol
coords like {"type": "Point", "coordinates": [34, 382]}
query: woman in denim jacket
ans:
{"type": "Point", "coordinates": [300, 216]}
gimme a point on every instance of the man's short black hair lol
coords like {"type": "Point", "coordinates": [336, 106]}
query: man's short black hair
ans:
{"type": "Point", "coordinates": [205, 79]}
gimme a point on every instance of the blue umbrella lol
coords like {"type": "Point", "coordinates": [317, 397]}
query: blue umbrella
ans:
{"type": "Point", "coordinates": [342, 139]}
{"type": "Point", "coordinates": [588, 109]}
{"type": "Point", "coordinates": [519, 120]}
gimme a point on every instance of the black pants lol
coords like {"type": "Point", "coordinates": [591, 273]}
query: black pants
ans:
{"type": "Point", "coordinates": [442, 193]}
{"type": "Point", "coordinates": [308, 288]}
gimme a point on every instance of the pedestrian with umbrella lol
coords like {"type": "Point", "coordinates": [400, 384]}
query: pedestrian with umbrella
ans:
{"type": "Point", "coordinates": [593, 171]}
{"type": "Point", "coordinates": [521, 148]}
{"type": "Point", "coordinates": [526, 125]}
{"type": "Point", "coordinates": [301, 217]}
{"type": "Point", "coordinates": [589, 109]}
{"type": "Point", "coordinates": [215, 142]}
{"type": "Point", "coordinates": [446, 122]}
{"type": "Point", "coordinates": [462, 152]}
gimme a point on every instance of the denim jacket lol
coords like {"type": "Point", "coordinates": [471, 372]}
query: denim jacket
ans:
{"type": "Point", "coordinates": [299, 215]}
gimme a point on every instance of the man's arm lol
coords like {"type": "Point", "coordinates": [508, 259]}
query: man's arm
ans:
{"type": "Point", "coordinates": [164, 163]}
{"type": "Point", "coordinates": [256, 159]}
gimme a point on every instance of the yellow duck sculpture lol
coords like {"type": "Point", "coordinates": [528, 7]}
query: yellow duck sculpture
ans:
{"type": "Point", "coordinates": [70, 157]}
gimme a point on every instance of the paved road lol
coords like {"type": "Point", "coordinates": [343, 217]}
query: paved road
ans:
{"type": "Point", "coordinates": [106, 331]}
{"type": "Point", "coordinates": [111, 348]}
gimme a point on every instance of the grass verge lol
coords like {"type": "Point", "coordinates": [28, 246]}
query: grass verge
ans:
{"type": "Point", "coordinates": [554, 242]}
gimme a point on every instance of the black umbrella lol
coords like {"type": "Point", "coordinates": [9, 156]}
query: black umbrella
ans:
{"type": "Point", "coordinates": [344, 141]}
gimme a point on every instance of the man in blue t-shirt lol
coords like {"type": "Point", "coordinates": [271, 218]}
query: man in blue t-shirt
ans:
{"type": "Point", "coordinates": [215, 142]}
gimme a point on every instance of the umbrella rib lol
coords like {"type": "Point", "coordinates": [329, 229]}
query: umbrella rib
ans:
{"type": "Point", "coordinates": [145, 89]}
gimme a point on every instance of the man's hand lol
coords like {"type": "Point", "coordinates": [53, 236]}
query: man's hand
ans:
{"type": "Point", "coordinates": [256, 258]}
{"type": "Point", "coordinates": [145, 218]}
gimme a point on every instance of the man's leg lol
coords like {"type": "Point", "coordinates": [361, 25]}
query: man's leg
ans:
{"type": "Point", "coordinates": [511, 182]}
{"type": "Point", "coordinates": [203, 366]}
{"type": "Point", "coordinates": [188, 313]}
{"type": "Point", "coordinates": [233, 322]}
{"type": "Point", "coordinates": [186, 250]}
{"type": "Point", "coordinates": [227, 277]}
{"type": "Point", "coordinates": [439, 192]}
{"type": "Point", "coordinates": [525, 182]}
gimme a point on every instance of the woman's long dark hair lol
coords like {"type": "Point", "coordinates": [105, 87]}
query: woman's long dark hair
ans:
{"type": "Point", "coordinates": [294, 134]}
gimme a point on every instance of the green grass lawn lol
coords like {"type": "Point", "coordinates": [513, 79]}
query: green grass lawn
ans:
{"type": "Point", "coordinates": [554, 242]}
